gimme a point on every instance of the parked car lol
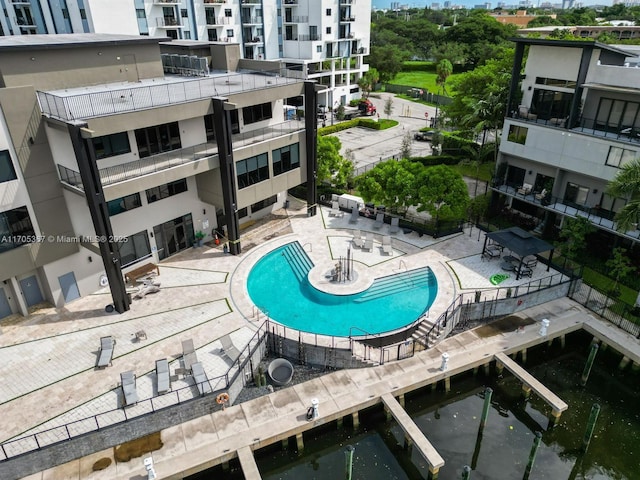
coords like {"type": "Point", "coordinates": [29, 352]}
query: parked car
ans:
{"type": "Point", "coordinates": [423, 136]}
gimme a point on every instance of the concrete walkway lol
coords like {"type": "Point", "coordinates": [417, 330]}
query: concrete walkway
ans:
{"type": "Point", "coordinates": [47, 360]}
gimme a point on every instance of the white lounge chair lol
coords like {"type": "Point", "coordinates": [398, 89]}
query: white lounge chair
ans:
{"type": "Point", "coordinates": [200, 378]}
{"type": "Point", "coordinates": [387, 249]}
{"type": "Point", "coordinates": [368, 243]}
{"type": "Point", "coordinates": [379, 221]}
{"type": "Point", "coordinates": [105, 355]}
{"type": "Point", "coordinates": [395, 225]}
{"type": "Point", "coordinates": [355, 215]}
{"type": "Point", "coordinates": [357, 239]}
{"type": "Point", "coordinates": [335, 210]}
{"type": "Point", "coordinates": [525, 189]}
{"type": "Point", "coordinates": [230, 350]}
{"type": "Point", "coordinates": [128, 383]}
{"type": "Point", "coordinates": [163, 377]}
{"type": "Point", "coordinates": [189, 356]}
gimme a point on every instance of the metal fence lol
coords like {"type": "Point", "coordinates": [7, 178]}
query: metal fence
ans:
{"type": "Point", "coordinates": [418, 93]}
{"type": "Point", "coordinates": [148, 406]}
{"type": "Point", "coordinates": [110, 101]}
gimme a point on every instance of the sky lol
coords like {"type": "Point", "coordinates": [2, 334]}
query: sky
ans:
{"type": "Point", "coordinates": [470, 3]}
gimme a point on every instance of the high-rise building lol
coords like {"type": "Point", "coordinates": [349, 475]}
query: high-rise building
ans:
{"type": "Point", "coordinates": [323, 40]}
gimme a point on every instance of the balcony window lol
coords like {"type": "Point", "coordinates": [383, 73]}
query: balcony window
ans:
{"type": "Point", "coordinates": [620, 156]}
{"type": "Point", "coordinates": [7, 172]}
{"type": "Point", "coordinates": [286, 159]}
{"type": "Point", "coordinates": [111, 145]}
{"type": "Point", "coordinates": [124, 204]}
{"type": "Point", "coordinates": [618, 116]}
{"type": "Point", "coordinates": [576, 195]}
{"type": "Point", "coordinates": [135, 248]}
{"type": "Point", "coordinates": [227, 13]}
{"type": "Point", "coordinates": [167, 190]}
{"type": "Point", "coordinates": [551, 104]}
{"type": "Point", "coordinates": [328, 12]}
{"type": "Point", "coordinates": [158, 139]}
{"type": "Point", "coordinates": [252, 170]}
{"type": "Point", "coordinates": [256, 207]}
{"type": "Point", "coordinates": [15, 228]}
{"type": "Point", "coordinates": [517, 134]}
{"type": "Point", "coordinates": [256, 113]}
{"type": "Point", "coordinates": [230, 33]}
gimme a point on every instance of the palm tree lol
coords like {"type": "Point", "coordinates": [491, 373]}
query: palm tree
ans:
{"type": "Point", "coordinates": [626, 184]}
{"type": "Point", "coordinates": [443, 70]}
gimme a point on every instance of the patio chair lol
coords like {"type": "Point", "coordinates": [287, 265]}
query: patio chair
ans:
{"type": "Point", "coordinates": [229, 350]}
{"type": "Point", "coordinates": [368, 242]}
{"type": "Point", "coordinates": [357, 239]}
{"type": "Point", "coordinates": [525, 189]}
{"type": "Point", "coordinates": [163, 377]}
{"type": "Point", "coordinates": [530, 262]}
{"type": "Point", "coordinates": [541, 195]}
{"type": "Point", "coordinates": [491, 252]}
{"type": "Point", "coordinates": [200, 378]}
{"type": "Point", "coordinates": [379, 221]}
{"type": "Point", "coordinates": [395, 225]}
{"type": "Point", "coordinates": [355, 215]}
{"type": "Point", "coordinates": [387, 249]}
{"type": "Point", "coordinates": [189, 356]}
{"type": "Point", "coordinates": [105, 355]}
{"type": "Point", "coordinates": [335, 210]}
{"type": "Point", "coordinates": [524, 271]}
{"type": "Point", "coordinates": [128, 383]}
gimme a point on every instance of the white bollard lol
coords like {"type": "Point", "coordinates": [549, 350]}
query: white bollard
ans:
{"type": "Point", "coordinates": [445, 361]}
{"type": "Point", "coordinates": [314, 404]}
{"type": "Point", "coordinates": [148, 465]}
{"type": "Point", "coordinates": [543, 327]}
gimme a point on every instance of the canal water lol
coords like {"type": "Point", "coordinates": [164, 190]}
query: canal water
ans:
{"type": "Point", "coordinates": [501, 452]}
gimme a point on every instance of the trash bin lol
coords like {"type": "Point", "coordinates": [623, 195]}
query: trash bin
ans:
{"type": "Point", "coordinates": [286, 204]}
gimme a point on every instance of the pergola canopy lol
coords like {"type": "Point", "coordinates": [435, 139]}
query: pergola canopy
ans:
{"type": "Point", "coordinates": [520, 242]}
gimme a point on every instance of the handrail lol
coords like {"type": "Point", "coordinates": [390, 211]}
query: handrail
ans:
{"type": "Point", "coordinates": [67, 431]}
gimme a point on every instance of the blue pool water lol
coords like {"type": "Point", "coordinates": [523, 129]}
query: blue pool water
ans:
{"type": "Point", "coordinates": [278, 285]}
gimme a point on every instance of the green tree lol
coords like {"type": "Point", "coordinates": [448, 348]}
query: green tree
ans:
{"type": "Point", "coordinates": [390, 183]}
{"type": "Point", "coordinates": [332, 167]}
{"type": "Point", "coordinates": [574, 233]}
{"type": "Point", "coordinates": [388, 106]}
{"type": "Point", "coordinates": [387, 60]}
{"type": "Point", "coordinates": [368, 82]}
{"type": "Point", "coordinates": [543, 21]}
{"type": "Point", "coordinates": [626, 184]}
{"type": "Point", "coordinates": [442, 192]}
{"type": "Point", "coordinates": [443, 70]}
{"type": "Point", "coordinates": [405, 146]}
{"type": "Point", "coordinates": [619, 268]}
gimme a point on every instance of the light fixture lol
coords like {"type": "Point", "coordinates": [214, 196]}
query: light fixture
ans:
{"type": "Point", "coordinates": [204, 211]}
{"type": "Point", "coordinates": [530, 172]}
{"type": "Point", "coordinates": [151, 234]}
{"type": "Point", "coordinates": [90, 259]}
{"type": "Point", "coordinates": [595, 190]}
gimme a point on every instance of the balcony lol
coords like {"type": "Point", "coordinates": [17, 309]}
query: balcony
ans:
{"type": "Point", "coordinates": [347, 2]}
{"type": "Point", "coordinates": [296, 19]}
{"type": "Point", "coordinates": [251, 2]}
{"type": "Point", "coordinates": [167, 22]}
{"type": "Point", "coordinates": [20, 2]}
{"type": "Point", "coordinates": [253, 41]}
{"type": "Point", "coordinates": [291, 2]}
{"type": "Point", "coordinates": [252, 20]}
{"type": "Point", "coordinates": [166, 2]}
{"type": "Point", "coordinates": [347, 19]}
{"type": "Point", "coordinates": [215, 1]}
{"type": "Point", "coordinates": [309, 38]}
{"type": "Point", "coordinates": [75, 104]}
{"type": "Point", "coordinates": [588, 126]}
{"type": "Point", "coordinates": [599, 217]}
{"type": "Point", "coordinates": [175, 158]}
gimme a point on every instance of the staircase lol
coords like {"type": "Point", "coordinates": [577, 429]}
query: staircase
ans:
{"type": "Point", "coordinates": [391, 284]}
{"type": "Point", "coordinates": [298, 260]}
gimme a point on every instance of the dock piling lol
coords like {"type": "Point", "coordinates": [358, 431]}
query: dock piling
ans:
{"type": "Point", "coordinates": [466, 472]}
{"type": "Point", "coordinates": [488, 392]}
{"type": "Point", "coordinates": [587, 367]}
{"type": "Point", "coordinates": [591, 425]}
{"type": "Point", "coordinates": [532, 455]}
{"type": "Point", "coordinates": [348, 456]}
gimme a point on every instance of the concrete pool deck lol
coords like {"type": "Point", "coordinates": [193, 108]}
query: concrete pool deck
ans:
{"type": "Point", "coordinates": [47, 360]}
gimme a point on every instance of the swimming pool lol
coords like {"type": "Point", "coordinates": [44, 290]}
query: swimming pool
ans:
{"type": "Point", "coordinates": [278, 285]}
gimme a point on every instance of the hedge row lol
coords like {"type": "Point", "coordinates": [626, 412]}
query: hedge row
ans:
{"type": "Point", "coordinates": [381, 124]}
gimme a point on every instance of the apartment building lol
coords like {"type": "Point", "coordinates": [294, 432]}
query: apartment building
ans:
{"type": "Point", "coordinates": [574, 121]}
{"type": "Point", "coordinates": [115, 150]}
{"type": "Point", "coordinates": [321, 40]}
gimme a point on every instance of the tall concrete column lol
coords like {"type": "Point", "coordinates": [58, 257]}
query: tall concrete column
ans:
{"type": "Point", "coordinates": [311, 144]}
{"type": "Point", "coordinates": [85, 156]}
{"type": "Point", "coordinates": [222, 127]}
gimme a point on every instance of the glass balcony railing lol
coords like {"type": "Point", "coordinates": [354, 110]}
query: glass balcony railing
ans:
{"type": "Point", "coordinates": [163, 161]}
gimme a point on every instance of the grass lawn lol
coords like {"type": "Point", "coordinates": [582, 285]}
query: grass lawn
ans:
{"type": "Point", "coordinates": [420, 79]}
{"type": "Point", "coordinates": [485, 171]}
